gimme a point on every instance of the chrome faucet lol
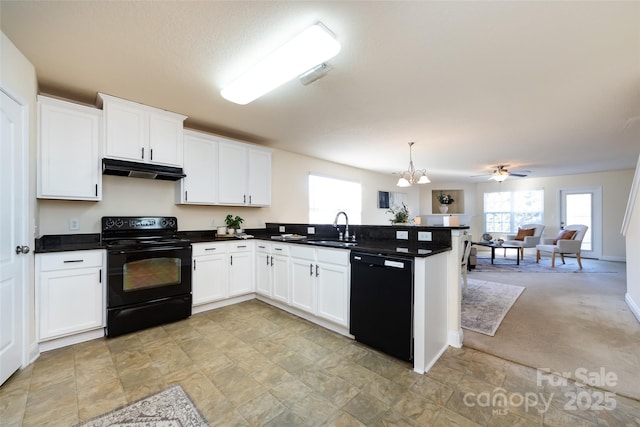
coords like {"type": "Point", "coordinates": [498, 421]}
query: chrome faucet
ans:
{"type": "Point", "coordinates": [346, 227]}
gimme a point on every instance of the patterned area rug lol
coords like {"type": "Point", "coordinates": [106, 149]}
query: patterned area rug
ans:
{"type": "Point", "coordinates": [169, 408]}
{"type": "Point", "coordinates": [528, 265]}
{"type": "Point", "coordinates": [485, 304]}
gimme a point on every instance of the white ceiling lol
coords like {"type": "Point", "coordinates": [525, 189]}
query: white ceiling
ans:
{"type": "Point", "coordinates": [550, 87]}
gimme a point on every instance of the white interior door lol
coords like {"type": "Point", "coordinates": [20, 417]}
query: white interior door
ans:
{"type": "Point", "coordinates": [13, 234]}
{"type": "Point", "coordinates": [583, 206]}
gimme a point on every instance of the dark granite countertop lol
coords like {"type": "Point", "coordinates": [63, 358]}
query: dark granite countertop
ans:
{"type": "Point", "coordinates": [67, 242]}
{"type": "Point", "coordinates": [77, 242]}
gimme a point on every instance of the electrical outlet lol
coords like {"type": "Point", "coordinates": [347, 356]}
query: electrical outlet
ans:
{"type": "Point", "coordinates": [74, 224]}
{"type": "Point", "coordinates": [311, 230]}
{"type": "Point", "coordinates": [424, 236]}
{"type": "Point", "coordinates": [281, 229]}
{"type": "Point", "coordinates": [402, 235]}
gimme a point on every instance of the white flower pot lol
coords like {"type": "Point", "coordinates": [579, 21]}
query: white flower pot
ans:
{"type": "Point", "coordinates": [444, 209]}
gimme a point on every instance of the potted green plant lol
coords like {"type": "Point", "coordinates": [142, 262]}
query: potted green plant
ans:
{"type": "Point", "coordinates": [445, 200]}
{"type": "Point", "coordinates": [400, 214]}
{"type": "Point", "coordinates": [233, 223]}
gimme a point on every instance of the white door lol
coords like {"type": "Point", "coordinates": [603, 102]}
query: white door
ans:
{"type": "Point", "coordinates": [13, 233]}
{"type": "Point", "coordinates": [583, 206]}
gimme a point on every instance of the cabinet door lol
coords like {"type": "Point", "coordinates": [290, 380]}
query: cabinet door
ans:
{"type": "Point", "coordinates": [126, 132]}
{"type": "Point", "coordinates": [259, 179]}
{"type": "Point", "coordinates": [209, 279]}
{"type": "Point", "coordinates": [232, 169]}
{"type": "Point", "coordinates": [240, 273]}
{"type": "Point", "coordinates": [200, 186]}
{"type": "Point", "coordinates": [333, 293]}
{"type": "Point", "coordinates": [165, 140]}
{"type": "Point", "coordinates": [264, 276]}
{"type": "Point", "coordinates": [280, 271]}
{"type": "Point", "coordinates": [70, 301]}
{"type": "Point", "coordinates": [303, 283]}
{"type": "Point", "coordinates": [69, 151]}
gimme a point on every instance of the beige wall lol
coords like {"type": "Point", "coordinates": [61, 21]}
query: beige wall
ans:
{"type": "Point", "coordinates": [18, 78]}
{"type": "Point", "coordinates": [290, 199]}
{"type": "Point", "coordinates": [633, 249]}
{"type": "Point", "coordinates": [615, 187]}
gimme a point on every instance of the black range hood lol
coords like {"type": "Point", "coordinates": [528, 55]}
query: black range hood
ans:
{"type": "Point", "coordinates": [141, 170]}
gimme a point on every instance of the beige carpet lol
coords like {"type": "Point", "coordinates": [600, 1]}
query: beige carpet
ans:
{"type": "Point", "coordinates": [566, 321]}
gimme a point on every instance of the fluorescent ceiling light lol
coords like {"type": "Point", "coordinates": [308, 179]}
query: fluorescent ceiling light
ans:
{"type": "Point", "coordinates": [308, 49]}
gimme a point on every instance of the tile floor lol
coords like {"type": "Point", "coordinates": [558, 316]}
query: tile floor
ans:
{"type": "Point", "coordinates": [252, 364]}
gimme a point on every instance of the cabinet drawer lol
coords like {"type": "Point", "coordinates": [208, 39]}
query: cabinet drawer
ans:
{"type": "Point", "coordinates": [279, 249]}
{"type": "Point", "coordinates": [70, 260]}
{"type": "Point", "coordinates": [301, 251]}
{"type": "Point", "coordinates": [200, 249]}
{"type": "Point", "coordinates": [334, 256]}
{"type": "Point", "coordinates": [263, 247]}
{"type": "Point", "coordinates": [240, 246]}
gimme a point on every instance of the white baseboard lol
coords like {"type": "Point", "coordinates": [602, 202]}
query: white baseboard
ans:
{"type": "Point", "coordinates": [34, 353]}
{"type": "Point", "coordinates": [635, 309]}
{"type": "Point", "coordinates": [431, 362]}
{"type": "Point", "coordinates": [613, 258]}
{"type": "Point", "coordinates": [222, 303]}
{"type": "Point", "coordinates": [342, 330]}
{"type": "Point", "coordinates": [455, 338]}
{"type": "Point", "coordinates": [71, 339]}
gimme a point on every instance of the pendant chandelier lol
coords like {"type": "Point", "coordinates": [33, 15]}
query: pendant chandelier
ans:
{"type": "Point", "coordinates": [412, 176]}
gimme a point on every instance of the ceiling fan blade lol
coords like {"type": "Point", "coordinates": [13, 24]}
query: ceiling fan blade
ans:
{"type": "Point", "coordinates": [517, 174]}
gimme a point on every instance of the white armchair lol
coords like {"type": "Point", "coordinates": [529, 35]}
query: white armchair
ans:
{"type": "Point", "coordinates": [526, 241]}
{"type": "Point", "coordinates": [563, 245]}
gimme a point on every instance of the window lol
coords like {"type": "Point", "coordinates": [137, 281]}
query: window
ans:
{"type": "Point", "coordinates": [505, 211]}
{"type": "Point", "coordinates": [328, 196]}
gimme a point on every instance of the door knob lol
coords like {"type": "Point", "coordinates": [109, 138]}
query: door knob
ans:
{"type": "Point", "coordinates": [22, 250]}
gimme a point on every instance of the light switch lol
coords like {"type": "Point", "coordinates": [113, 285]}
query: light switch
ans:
{"type": "Point", "coordinates": [402, 235]}
{"type": "Point", "coordinates": [74, 224]}
{"type": "Point", "coordinates": [424, 236]}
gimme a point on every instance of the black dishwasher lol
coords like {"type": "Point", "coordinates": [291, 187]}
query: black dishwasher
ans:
{"type": "Point", "coordinates": [382, 303]}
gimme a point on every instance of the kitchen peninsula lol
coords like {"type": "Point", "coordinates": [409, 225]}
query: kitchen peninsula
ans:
{"type": "Point", "coordinates": [276, 271]}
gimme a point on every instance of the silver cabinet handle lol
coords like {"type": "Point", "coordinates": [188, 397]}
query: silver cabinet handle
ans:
{"type": "Point", "coordinates": [317, 274]}
{"type": "Point", "coordinates": [271, 261]}
{"type": "Point", "coordinates": [310, 269]}
{"type": "Point", "coordinates": [22, 249]}
{"type": "Point", "coordinates": [210, 249]}
{"type": "Point", "coordinates": [142, 156]}
{"type": "Point", "coordinates": [72, 260]}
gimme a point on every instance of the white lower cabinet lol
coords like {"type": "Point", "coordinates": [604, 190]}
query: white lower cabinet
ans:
{"type": "Point", "coordinates": [221, 270]}
{"type": "Point", "coordinates": [280, 273]}
{"type": "Point", "coordinates": [209, 280]}
{"type": "Point", "coordinates": [241, 258]}
{"type": "Point", "coordinates": [70, 293]}
{"type": "Point", "coordinates": [320, 282]}
{"type": "Point", "coordinates": [333, 285]}
{"type": "Point", "coordinates": [264, 276]}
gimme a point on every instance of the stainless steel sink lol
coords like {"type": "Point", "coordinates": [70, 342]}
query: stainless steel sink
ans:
{"type": "Point", "coordinates": [332, 243]}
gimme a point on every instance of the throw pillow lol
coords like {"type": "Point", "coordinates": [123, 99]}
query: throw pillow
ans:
{"type": "Point", "coordinates": [522, 233]}
{"type": "Point", "coordinates": [564, 235]}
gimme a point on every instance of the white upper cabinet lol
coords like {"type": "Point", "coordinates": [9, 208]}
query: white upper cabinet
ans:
{"type": "Point", "coordinates": [245, 174]}
{"type": "Point", "coordinates": [69, 138]}
{"type": "Point", "coordinates": [141, 133]}
{"type": "Point", "coordinates": [259, 180]}
{"type": "Point", "coordinates": [200, 186]}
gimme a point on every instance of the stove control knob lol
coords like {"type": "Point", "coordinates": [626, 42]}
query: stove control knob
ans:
{"type": "Point", "coordinates": [119, 223]}
{"type": "Point", "coordinates": [109, 223]}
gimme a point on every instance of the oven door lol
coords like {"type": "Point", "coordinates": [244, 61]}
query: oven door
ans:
{"type": "Point", "coordinates": [136, 276]}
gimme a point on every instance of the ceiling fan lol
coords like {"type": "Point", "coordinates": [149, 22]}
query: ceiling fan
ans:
{"type": "Point", "coordinates": [501, 173]}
